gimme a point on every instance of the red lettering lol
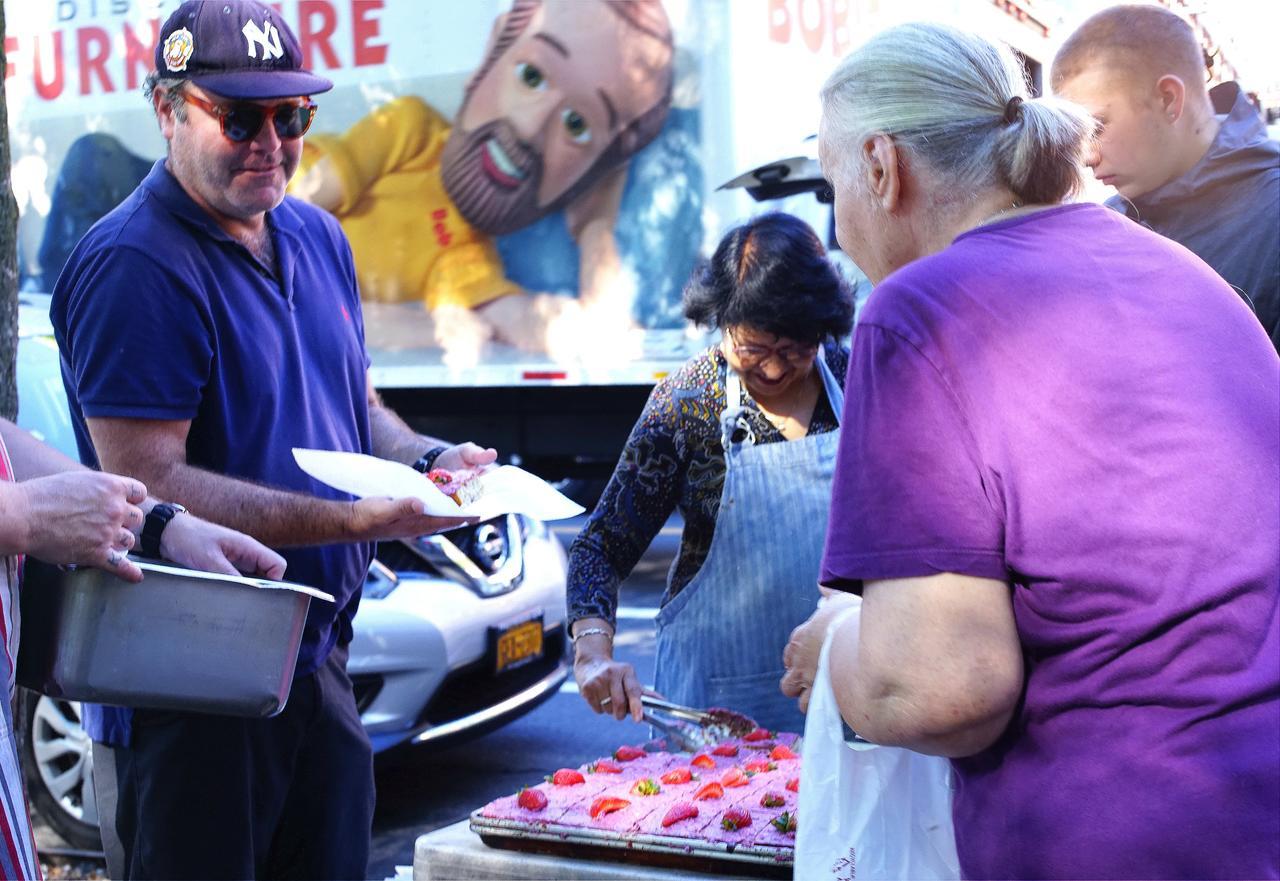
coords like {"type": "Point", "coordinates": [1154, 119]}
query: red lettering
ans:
{"type": "Point", "coordinates": [813, 35]}
{"type": "Point", "coordinates": [139, 54]}
{"type": "Point", "coordinates": [840, 37]}
{"type": "Point", "coordinates": [92, 48]}
{"type": "Point", "coordinates": [364, 28]}
{"type": "Point", "coordinates": [779, 21]}
{"type": "Point", "coordinates": [50, 90]}
{"type": "Point", "coordinates": [313, 38]}
{"type": "Point", "coordinates": [10, 47]}
{"type": "Point", "coordinates": [443, 236]}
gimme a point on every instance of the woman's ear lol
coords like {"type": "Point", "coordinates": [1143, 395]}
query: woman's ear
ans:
{"type": "Point", "coordinates": [882, 169]}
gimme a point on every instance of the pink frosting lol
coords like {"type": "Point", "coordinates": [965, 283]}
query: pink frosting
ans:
{"type": "Point", "coordinates": [571, 805]}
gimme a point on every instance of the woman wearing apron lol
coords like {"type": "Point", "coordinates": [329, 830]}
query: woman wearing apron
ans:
{"type": "Point", "coordinates": [742, 440]}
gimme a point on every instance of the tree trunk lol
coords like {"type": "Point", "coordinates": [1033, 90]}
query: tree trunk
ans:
{"type": "Point", "coordinates": [8, 261]}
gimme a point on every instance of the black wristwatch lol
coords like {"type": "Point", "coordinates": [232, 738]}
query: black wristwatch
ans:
{"type": "Point", "coordinates": [153, 527]}
{"type": "Point", "coordinates": [428, 459]}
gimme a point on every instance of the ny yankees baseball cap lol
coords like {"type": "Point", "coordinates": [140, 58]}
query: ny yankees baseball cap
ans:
{"type": "Point", "coordinates": [236, 49]}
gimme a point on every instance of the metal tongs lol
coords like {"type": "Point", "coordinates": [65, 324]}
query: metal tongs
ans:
{"type": "Point", "coordinates": [691, 729]}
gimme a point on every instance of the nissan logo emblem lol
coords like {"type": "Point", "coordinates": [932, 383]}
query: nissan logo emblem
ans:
{"type": "Point", "coordinates": [491, 547]}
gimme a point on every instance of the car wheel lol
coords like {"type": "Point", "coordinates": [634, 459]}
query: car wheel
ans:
{"type": "Point", "coordinates": [57, 765]}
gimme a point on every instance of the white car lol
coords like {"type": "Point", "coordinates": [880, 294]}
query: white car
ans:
{"type": "Point", "coordinates": [456, 635]}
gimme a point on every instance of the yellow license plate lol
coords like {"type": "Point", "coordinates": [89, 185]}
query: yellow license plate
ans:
{"type": "Point", "coordinates": [519, 645]}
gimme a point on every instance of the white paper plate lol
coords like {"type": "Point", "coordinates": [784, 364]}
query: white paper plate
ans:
{"type": "Point", "coordinates": [507, 489]}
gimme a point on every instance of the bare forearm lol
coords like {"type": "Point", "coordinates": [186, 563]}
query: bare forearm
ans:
{"type": "Point", "coordinates": [394, 439]}
{"type": "Point", "coordinates": [13, 520]}
{"type": "Point", "coordinates": [277, 518]}
{"type": "Point", "coordinates": [30, 457]}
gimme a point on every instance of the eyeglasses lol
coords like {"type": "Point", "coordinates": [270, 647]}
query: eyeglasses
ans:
{"type": "Point", "coordinates": [241, 121]}
{"type": "Point", "coordinates": [750, 355]}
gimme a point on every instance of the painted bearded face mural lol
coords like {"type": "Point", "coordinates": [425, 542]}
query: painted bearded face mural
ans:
{"type": "Point", "coordinates": [568, 91]}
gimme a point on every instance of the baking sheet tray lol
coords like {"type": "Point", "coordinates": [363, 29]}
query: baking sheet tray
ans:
{"type": "Point", "coordinates": [660, 850]}
{"type": "Point", "coordinates": [178, 640]}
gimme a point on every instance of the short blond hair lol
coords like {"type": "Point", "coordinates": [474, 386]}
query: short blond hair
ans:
{"type": "Point", "coordinates": [1144, 42]}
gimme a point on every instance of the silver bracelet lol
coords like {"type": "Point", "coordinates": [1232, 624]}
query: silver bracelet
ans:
{"type": "Point", "coordinates": [590, 631]}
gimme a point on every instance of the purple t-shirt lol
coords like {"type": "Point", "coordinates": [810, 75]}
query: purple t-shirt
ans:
{"type": "Point", "coordinates": [1070, 403]}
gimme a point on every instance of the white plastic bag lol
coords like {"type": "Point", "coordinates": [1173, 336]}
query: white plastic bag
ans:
{"type": "Point", "coordinates": [868, 811]}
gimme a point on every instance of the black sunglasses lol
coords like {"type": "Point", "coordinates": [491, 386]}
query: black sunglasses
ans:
{"type": "Point", "coordinates": [241, 121]}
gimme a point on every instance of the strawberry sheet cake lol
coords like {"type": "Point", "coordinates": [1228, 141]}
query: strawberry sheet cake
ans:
{"type": "Point", "coordinates": [740, 794]}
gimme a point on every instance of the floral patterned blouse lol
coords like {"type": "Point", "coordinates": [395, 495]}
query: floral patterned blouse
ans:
{"type": "Point", "coordinates": [673, 459]}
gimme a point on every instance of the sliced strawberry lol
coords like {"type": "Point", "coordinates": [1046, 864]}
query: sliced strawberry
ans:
{"type": "Point", "coordinates": [604, 766]}
{"type": "Point", "coordinates": [794, 784]}
{"type": "Point", "coordinates": [677, 776]}
{"type": "Point", "coordinates": [758, 735]}
{"type": "Point", "coordinates": [646, 786]}
{"type": "Point", "coordinates": [532, 799]}
{"type": "Point", "coordinates": [567, 777]}
{"type": "Point", "coordinates": [726, 749]}
{"type": "Point", "coordinates": [702, 760]}
{"type": "Point", "coordinates": [759, 766]}
{"type": "Point", "coordinates": [710, 790]}
{"type": "Point", "coordinates": [735, 777]}
{"type": "Point", "coordinates": [628, 753]}
{"type": "Point", "coordinates": [681, 810]}
{"type": "Point", "coordinates": [772, 799]}
{"type": "Point", "coordinates": [607, 805]}
{"type": "Point", "coordinates": [785, 822]}
{"type": "Point", "coordinates": [782, 751]}
{"type": "Point", "coordinates": [735, 818]}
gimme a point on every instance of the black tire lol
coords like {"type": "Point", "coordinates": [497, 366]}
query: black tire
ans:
{"type": "Point", "coordinates": [68, 813]}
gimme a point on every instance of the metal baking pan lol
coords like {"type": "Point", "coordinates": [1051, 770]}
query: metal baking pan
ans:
{"type": "Point", "coordinates": [178, 640]}
{"type": "Point", "coordinates": [661, 850]}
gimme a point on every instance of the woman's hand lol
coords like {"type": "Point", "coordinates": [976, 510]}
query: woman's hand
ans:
{"type": "Point", "coordinates": [605, 684]}
{"type": "Point", "coordinates": [800, 657]}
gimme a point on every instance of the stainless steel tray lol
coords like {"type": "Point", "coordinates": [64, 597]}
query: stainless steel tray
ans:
{"type": "Point", "coordinates": [673, 851]}
{"type": "Point", "coordinates": [178, 640]}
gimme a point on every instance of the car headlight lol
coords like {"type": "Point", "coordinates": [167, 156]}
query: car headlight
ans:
{"type": "Point", "coordinates": [380, 580]}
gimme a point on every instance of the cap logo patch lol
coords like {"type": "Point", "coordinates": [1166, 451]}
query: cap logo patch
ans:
{"type": "Point", "coordinates": [266, 37]}
{"type": "Point", "coordinates": [177, 49]}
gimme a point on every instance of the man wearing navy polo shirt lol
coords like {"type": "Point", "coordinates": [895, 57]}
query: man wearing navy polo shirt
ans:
{"type": "Point", "coordinates": [208, 326]}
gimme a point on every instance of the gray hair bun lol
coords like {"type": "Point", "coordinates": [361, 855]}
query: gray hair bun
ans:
{"type": "Point", "coordinates": [961, 104]}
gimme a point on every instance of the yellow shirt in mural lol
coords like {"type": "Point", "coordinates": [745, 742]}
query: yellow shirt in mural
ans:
{"type": "Point", "coordinates": [408, 239]}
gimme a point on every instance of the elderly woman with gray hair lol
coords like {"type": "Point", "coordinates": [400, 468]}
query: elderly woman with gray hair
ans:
{"type": "Point", "coordinates": [1055, 491]}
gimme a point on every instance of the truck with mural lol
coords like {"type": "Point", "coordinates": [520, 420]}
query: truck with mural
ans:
{"type": "Point", "coordinates": [526, 184]}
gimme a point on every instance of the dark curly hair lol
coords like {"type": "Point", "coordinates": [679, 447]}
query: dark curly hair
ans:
{"type": "Point", "coordinates": [771, 274]}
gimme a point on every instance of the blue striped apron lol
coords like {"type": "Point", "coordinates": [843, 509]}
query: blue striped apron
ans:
{"type": "Point", "coordinates": [720, 639]}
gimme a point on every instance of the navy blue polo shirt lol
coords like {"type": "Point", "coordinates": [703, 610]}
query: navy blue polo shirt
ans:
{"type": "Point", "coordinates": [160, 314]}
